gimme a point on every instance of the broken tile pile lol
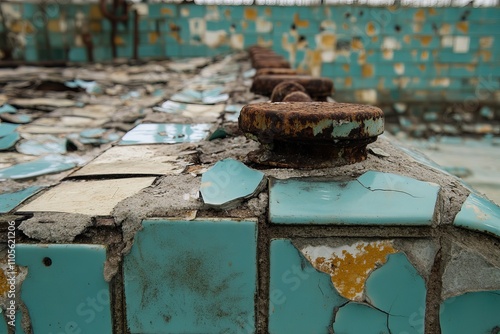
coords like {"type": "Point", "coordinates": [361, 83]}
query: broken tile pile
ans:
{"type": "Point", "coordinates": [171, 228]}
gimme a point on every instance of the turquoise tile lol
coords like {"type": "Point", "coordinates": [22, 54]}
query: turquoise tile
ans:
{"type": "Point", "coordinates": [71, 277]}
{"type": "Point", "coordinates": [7, 128]}
{"type": "Point", "coordinates": [165, 134]}
{"type": "Point", "coordinates": [374, 198]}
{"type": "Point", "coordinates": [397, 289]}
{"type": "Point", "coordinates": [46, 165]}
{"type": "Point", "coordinates": [473, 312]}
{"type": "Point", "coordinates": [9, 201]}
{"type": "Point", "coordinates": [479, 213]}
{"type": "Point", "coordinates": [347, 320]}
{"type": "Point", "coordinates": [302, 299]}
{"type": "Point", "coordinates": [7, 142]}
{"type": "Point", "coordinates": [228, 182]}
{"type": "Point", "coordinates": [192, 277]}
{"type": "Point", "coordinates": [5, 325]}
{"type": "Point", "coordinates": [7, 108]}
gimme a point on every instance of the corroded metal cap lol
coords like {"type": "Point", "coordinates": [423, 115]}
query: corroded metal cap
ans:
{"type": "Point", "coordinates": [311, 134]}
{"type": "Point", "coordinates": [275, 71]}
{"type": "Point", "coordinates": [317, 88]}
{"type": "Point", "coordinates": [284, 88]}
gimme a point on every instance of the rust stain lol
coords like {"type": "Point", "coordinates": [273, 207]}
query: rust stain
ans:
{"type": "Point", "coordinates": [345, 26]}
{"type": "Point", "coordinates": [367, 71]}
{"type": "Point", "coordinates": [357, 44]}
{"type": "Point", "coordinates": [22, 27]}
{"type": "Point", "coordinates": [421, 67]}
{"type": "Point", "coordinates": [328, 40]}
{"type": "Point", "coordinates": [153, 37]}
{"type": "Point", "coordinates": [419, 15]}
{"type": "Point", "coordinates": [250, 14]}
{"type": "Point", "coordinates": [463, 27]}
{"type": "Point", "coordinates": [470, 67]}
{"type": "Point", "coordinates": [95, 12]}
{"type": "Point", "coordinates": [166, 11]}
{"type": "Point", "coordinates": [54, 25]}
{"type": "Point", "coordinates": [227, 14]}
{"type": "Point", "coordinates": [350, 270]}
{"type": "Point", "coordinates": [407, 39]}
{"type": "Point", "coordinates": [445, 29]}
{"type": "Point", "coordinates": [387, 54]}
{"type": "Point", "coordinates": [485, 55]}
{"type": "Point", "coordinates": [375, 39]}
{"type": "Point", "coordinates": [441, 68]}
{"type": "Point", "coordinates": [362, 58]}
{"type": "Point", "coordinates": [346, 67]}
{"type": "Point", "coordinates": [348, 82]}
{"type": "Point", "coordinates": [4, 285]}
{"type": "Point", "coordinates": [417, 27]}
{"type": "Point", "coordinates": [119, 40]}
{"type": "Point", "coordinates": [300, 23]}
{"type": "Point", "coordinates": [370, 29]}
{"type": "Point", "coordinates": [424, 40]}
{"type": "Point", "coordinates": [95, 26]}
{"type": "Point", "coordinates": [432, 11]}
{"type": "Point", "coordinates": [485, 42]}
{"type": "Point", "coordinates": [424, 55]}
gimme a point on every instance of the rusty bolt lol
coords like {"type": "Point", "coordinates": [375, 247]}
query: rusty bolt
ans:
{"type": "Point", "coordinates": [310, 134]}
{"type": "Point", "coordinates": [284, 88]}
{"type": "Point", "coordinates": [318, 88]}
{"type": "Point", "coordinates": [297, 97]}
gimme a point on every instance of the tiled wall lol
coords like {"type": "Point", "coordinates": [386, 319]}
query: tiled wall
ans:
{"type": "Point", "coordinates": [374, 54]}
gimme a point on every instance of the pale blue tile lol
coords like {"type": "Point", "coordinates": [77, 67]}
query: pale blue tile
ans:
{"type": "Point", "coordinates": [192, 277]}
{"type": "Point", "coordinates": [228, 182]}
{"type": "Point", "coordinates": [7, 108]}
{"type": "Point", "coordinates": [9, 201]}
{"type": "Point", "coordinates": [372, 199]}
{"type": "Point", "coordinates": [165, 134]}
{"type": "Point", "coordinates": [8, 141]}
{"type": "Point", "coordinates": [49, 164]}
{"type": "Point", "coordinates": [302, 299]}
{"type": "Point", "coordinates": [347, 320]}
{"type": "Point", "coordinates": [7, 128]}
{"type": "Point", "coordinates": [479, 213]}
{"type": "Point", "coordinates": [398, 289]}
{"type": "Point", "coordinates": [71, 277]}
{"type": "Point", "coordinates": [473, 312]}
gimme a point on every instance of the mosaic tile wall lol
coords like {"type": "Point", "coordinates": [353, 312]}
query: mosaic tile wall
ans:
{"type": "Point", "coordinates": [374, 54]}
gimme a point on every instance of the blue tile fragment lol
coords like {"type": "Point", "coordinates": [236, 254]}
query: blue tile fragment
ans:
{"type": "Point", "coordinates": [192, 277]}
{"type": "Point", "coordinates": [9, 201]}
{"type": "Point", "coordinates": [479, 213]}
{"type": "Point", "coordinates": [398, 289]}
{"type": "Point", "coordinates": [347, 320]}
{"type": "Point", "coordinates": [7, 128]}
{"type": "Point", "coordinates": [165, 134]}
{"type": "Point", "coordinates": [71, 277]}
{"type": "Point", "coordinates": [228, 182]}
{"type": "Point", "coordinates": [46, 165]}
{"type": "Point", "coordinates": [473, 312]}
{"type": "Point", "coordinates": [302, 299]}
{"type": "Point", "coordinates": [374, 198]}
{"type": "Point", "coordinates": [7, 108]}
{"type": "Point", "coordinates": [8, 141]}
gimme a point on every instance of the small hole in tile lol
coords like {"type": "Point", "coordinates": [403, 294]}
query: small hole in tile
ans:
{"type": "Point", "coordinates": [397, 27]}
{"type": "Point", "coordinates": [47, 261]}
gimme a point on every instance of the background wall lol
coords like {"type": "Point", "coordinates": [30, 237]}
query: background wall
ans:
{"type": "Point", "coordinates": [373, 53]}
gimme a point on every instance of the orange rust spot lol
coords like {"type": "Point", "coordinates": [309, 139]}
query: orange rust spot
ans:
{"type": "Point", "coordinates": [421, 67]}
{"type": "Point", "coordinates": [22, 26]}
{"type": "Point", "coordinates": [4, 285]}
{"type": "Point", "coordinates": [485, 55]}
{"type": "Point", "coordinates": [370, 29]}
{"type": "Point", "coordinates": [345, 26]}
{"type": "Point", "coordinates": [424, 40]}
{"type": "Point", "coordinates": [328, 41]}
{"type": "Point", "coordinates": [470, 67]}
{"type": "Point", "coordinates": [463, 27]}
{"type": "Point", "coordinates": [417, 27]}
{"type": "Point", "coordinates": [300, 23]}
{"type": "Point", "coordinates": [367, 70]}
{"type": "Point", "coordinates": [375, 39]}
{"type": "Point", "coordinates": [95, 26]}
{"type": "Point", "coordinates": [357, 44]}
{"type": "Point", "coordinates": [166, 11]}
{"type": "Point", "coordinates": [346, 67]}
{"type": "Point", "coordinates": [95, 12]}
{"type": "Point", "coordinates": [119, 40]}
{"type": "Point", "coordinates": [445, 29]}
{"type": "Point", "coordinates": [485, 42]}
{"type": "Point", "coordinates": [424, 55]}
{"type": "Point", "coordinates": [387, 54]}
{"type": "Point", "coordinates": [420, 15]}
{"type": "Point", "coordinates": [407, 39]}
{"type": "Point", "coordinates": [432, 11]}
{"type": "Point", "coordinates": [153, 37]}
{"type": "Point", "coordinates": [175, 35]}
{"type": "Point", "coordinates": [362, 58]}
{"type": "Point", "coordinates": [348, 81]}
{"type": "Point", "coordinates": [250, 14]}
{"type": "Point", "coordinates": [227, 14]}
{"type": "Point", "coordinates": [54, 25]}
{"type": "Point", "coordinates": [349, 271]}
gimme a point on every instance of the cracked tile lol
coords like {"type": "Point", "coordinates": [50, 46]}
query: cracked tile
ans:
{"type": "Point", "coordinates": [473, 312]}
{"type": "Point", "coordinates": [72, 278]}
{"type": "Point", "coordinates": [293, 281]}
{"type": "Point", "coordinates": [165, 134]}
{"type": "Point", "coordinates": [228, 182]}
{"type": "Point", "coordinates": [347, 320]}
{"type": "Point", "coordinates": [198, 277]}
{"type": "Point", "coordinates": [48, 164]}
{"type": "Point", "coordinates": [9, 201]}
{"type": "Point", "coordinates": [374, 198]}
{"type": "Point", "coordinates": [94, 198]}
{"type": "Point", "coordinates": [478, 213]}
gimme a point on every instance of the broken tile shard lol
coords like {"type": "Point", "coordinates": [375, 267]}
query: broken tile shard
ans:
{"type": "Point", "coordinates": [48, 164]}
{"type": "Point", "coordinates": [479, 213]}
{"type": "Point", "coordinates": [374, 198]}
{"type": "Point", "coordinates": [228, 182]}
{"type": "Point", "coordinates": [42, 144]}
{"type": "Point", "coordinates": [165, 134]}
{"type": "Point", "coordinates": [7, 142]}
{"type": "Point", "coordinates": [9, 201]}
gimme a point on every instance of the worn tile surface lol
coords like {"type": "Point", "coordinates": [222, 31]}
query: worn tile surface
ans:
{"type": "Point", "coordinates": [374, 198]}
{"type": "Point", "coordinates": [294, 281]}
{"type": "Point", "coordinates": [473, 312]}
{"type": "Point", "coordinates": [9, 201]}
{"type": "Point", "coordinates": [192, 277]}
{"type": "Point", "coordinates": [228, 182]}
{"type": "Point", "coordinates": [165, 133]}
{"type": "Point", "coordinates": [479, 213]}
{"type": "Point", "coordinates": [71, 277]}
{"type": "Point", "coordinates": [95, 198]}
